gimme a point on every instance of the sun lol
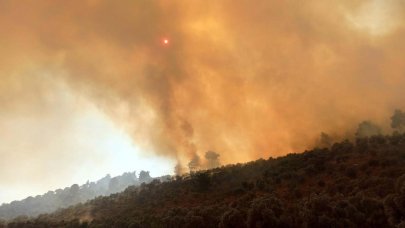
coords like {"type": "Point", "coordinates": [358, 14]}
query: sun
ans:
{"type": "Point", "coordinates": [165, 41]}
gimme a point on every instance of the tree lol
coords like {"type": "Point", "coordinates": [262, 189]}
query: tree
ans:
{"type": "Point", "coordinates": [202, 180]}
{"type": "Point", "coordinates": [144, 177]}
{"type": "Point", "coordinates": [74, 189]}
{"type": "Point", "coordinates": [194, 164]}
{"type": "Point", "coordinates": [74, 194]}
{"type": "Point", "coordinates": [113, 186]}
{"type": "Point", "coordinates": [394, 204]}
{"type": "Point", "coordinates": [232, 218]}
{"type": "Point", "coordinates": [265, 212]}
{"type": "Point", "coordinates": [325, 141]}
{"type": "Point", "coordinates": [367, 129]}
{"type": "Point", "coordinates": [398, 121]}
{"type": "Point", "coordinates": [212, 159]}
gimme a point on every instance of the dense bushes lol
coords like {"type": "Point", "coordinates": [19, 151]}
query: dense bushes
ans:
{"type": "Point", "coordinates": [358, 184]}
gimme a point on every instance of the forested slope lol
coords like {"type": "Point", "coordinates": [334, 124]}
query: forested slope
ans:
{"type": "Point", "coordinates": [350, 184]}
{"type": "Point", "coordinates": [62, 198]}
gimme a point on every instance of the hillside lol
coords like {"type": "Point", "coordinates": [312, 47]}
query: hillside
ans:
{"type": "Point", "coordinates": [360, 184]}
{"type": "Point", "coordinates": [62, 198]}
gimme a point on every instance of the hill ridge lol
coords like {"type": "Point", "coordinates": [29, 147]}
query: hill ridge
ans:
{"type": "Point", "coordinates": [350, 184]}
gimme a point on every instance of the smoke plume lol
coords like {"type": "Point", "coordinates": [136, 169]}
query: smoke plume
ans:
{"type": "Point", "coordinates": [246, 79]}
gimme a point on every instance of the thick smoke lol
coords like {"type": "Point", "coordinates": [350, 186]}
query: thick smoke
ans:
{"type": "Point", "coordinates": [211, 161]}
{"type": "Point", "coordinates": [246, 79]}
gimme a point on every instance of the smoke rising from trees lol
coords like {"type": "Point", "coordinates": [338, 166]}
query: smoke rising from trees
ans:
{"type": "Point", "coordinates": [248, 80]}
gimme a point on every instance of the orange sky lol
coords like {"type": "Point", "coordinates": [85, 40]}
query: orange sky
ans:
{"type": "Point", "coordinates": [246, 79]}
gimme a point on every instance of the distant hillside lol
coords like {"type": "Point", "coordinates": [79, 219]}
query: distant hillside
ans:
{"type": "Point", "coordinates": [62, 198]}
{"type": "Point", "coordinates": [350, 184]}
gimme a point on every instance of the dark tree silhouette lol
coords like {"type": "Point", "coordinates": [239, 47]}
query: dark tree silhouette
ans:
{"type": "Point", "coordinates": [398, 121]}
{"type": "Point", "coordinates": [325, 141]}
{"type": "Point", "coordinates": [367, 129]}
{"type": "Point", "coordinates": [194, 164]}
{"type": "Point", "coordinates": [212, 159]}
{"type": "Point", "coordinates": [144, 176]}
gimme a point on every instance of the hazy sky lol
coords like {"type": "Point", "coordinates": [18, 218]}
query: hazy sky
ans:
{"type": "Point", "coordinates": [90, 87]}
{"type": "Point", "coordinates": [68, 141]}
